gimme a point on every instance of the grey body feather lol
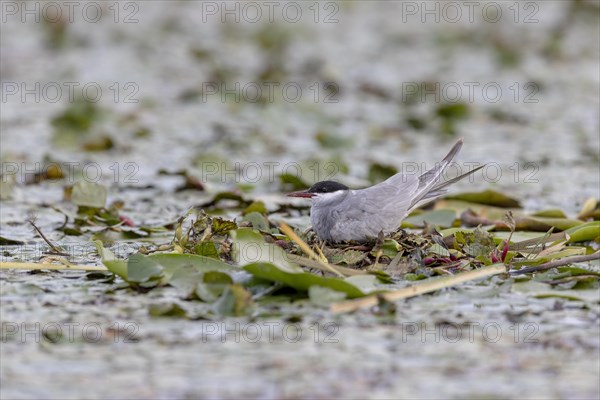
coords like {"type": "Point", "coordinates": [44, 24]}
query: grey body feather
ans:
{"type": "Point", "coordinates": [360, 215]}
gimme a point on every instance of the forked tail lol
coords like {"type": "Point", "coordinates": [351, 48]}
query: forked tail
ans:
{"type": "Point", "coordinates": [430, 187]}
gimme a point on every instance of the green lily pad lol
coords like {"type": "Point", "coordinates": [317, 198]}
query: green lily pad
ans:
{"type": "Point", "coordinates": [258, 220]}
{"type": "Point", "coordinates": [255, 206]}
{"type": "Point", "coordinates": [302, 281]}
{"type": "Point", "coordinates": [89, 194]}
{"type": "Point", "coordinates": [390, 248]}
{"type": "Point", "coordinates": [585, 232]}
{"type": "Point", "coordinates": [543, 290]}
{"type": "Point", "coordinates": [212, 285]}
{"type": "Point", "coordinates": [167, 310]}
{"type": "Point", "coordinates": [235, 300]}
{"type": "Point", "coordinates": [544, 224]}
{"type": "Point", "coordinates": [141, 268]}
{"type": "Point", "coordinates": [207, 249]}
{"type": "Point", "coordinates": [323, 296]}
{"type": "Point", "coordinates": [172, 261]}
{"type": "Point", "coordinates": [292, 182]}
{"type": "Point", "coordinates": [550, 213]}
{"type": "Point", "coordinates": [250, 247]}
{"type": "Point", "coordinates": [185, 279]}
{"type": "Point", "coordinates": [443, 218]}
{"type": "Point", "coordinates": [10, 242]}
{"type": "Point", "coordinates": [117, 267]}
{"type": "Point", "coordinates": [488, 197]}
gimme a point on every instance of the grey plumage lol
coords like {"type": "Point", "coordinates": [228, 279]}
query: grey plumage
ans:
{"type": "Point", "coordinates": [341, 214]}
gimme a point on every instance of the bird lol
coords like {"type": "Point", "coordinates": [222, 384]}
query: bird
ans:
{"type": "Point", "coordinates": [340, 214]}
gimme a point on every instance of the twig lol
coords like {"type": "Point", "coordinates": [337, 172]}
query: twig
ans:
{"type": "Point", "coordinates": [292, 235]}
{"type": "Point", "coordinates": [557, 263]}
{"type": "Point", "coordinates": [419, 288]}
{"type": "Point", "coordinates": [55, 249]}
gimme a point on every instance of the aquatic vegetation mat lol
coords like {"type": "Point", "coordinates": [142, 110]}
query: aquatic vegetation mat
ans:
{"type": "Point", "coordinates": [245, 265]}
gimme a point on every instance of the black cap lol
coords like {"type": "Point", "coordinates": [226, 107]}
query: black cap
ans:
{"type": "Point", "coordinates": [327, 187]}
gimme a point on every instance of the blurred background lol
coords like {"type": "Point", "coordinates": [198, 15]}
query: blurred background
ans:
{"type": "Point", "coordinates": [169, 103]}
{"type": "Point", "coordinates": [252, 95]}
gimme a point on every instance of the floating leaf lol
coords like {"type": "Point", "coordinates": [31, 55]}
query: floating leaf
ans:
{"type": "Point", "coordinates": [450, 114]}
{"type": "Point", "coordinates": [543, 224]}
{"type": "Point", "coordinates": [250, 247]}
{"type": "Point", "coordinates": [488, 197]}
{"type": "Point", "coordinates": [98, 143]}
{"type": "Point", "coordinates": [453, 110]}
{"type": "Point", "coordinates": [207, 249]}
{"type": "Point", "coordinates": [543, 290]}
{"type": "Point", "coordinates": [10, 242]}
{"type": "Point", "coordinates": [574, 271]}
{"type": "Point", "coordinates": [590, 209]}
{"type": "Point", "coordinates": [225, 196]}
{"type": "Point", "coordinates": [235, 300]}
{"type": "Point", "coordinates": [89, 194]}
{"type": "Point", "coordinates": [255, 206]}
{"type": "Point", "coordinates": [167, 310]}
{"type": "Point", "coordinates": [490, 213]}
{"type": "Point", "coordinates": [75, 123]}
{"type": "Point", "coordinates": [222, 226]}
{"type": "Point", "coordinates": [212, 285]}
{"type": "Point", "coordinates": [550, 213]}
{"type": "Point", "coordinates": [302, 281]}
{"type": "Point", "coordinates": [172, 261]}
{"type": "Point", "coordinates": [443, 218]}
{"type": "Point", "coordinates": [185, 279]}
{"type": "Point", "coordinates": [585, 232]}
{"type": "Point", "coordinates": [292, 182]}
{"type": "Point", "coordinates": [258, 221]}
{"type": "Point", "coordinates": [323, 296]}
{"type": "Point", "coordinates": [427, 286]}
{"type": "Point", "coordinates": [141, 268]}
{"type": "Point", "coordinates": [390, 248]}
{"type": "Point", "coordinates": [117, 267]}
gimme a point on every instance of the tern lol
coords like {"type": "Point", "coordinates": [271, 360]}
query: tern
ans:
{"type": "Point", "coordinates": [341, 214]}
